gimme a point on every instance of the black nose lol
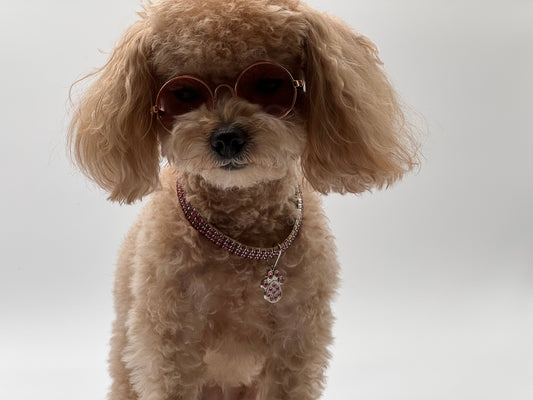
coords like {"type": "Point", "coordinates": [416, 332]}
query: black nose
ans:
{"type": "Point", "coordinates": [229, 141]}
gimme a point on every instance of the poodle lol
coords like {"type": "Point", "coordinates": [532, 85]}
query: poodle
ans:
{"type": "Point", "coordinates": [235, 116]}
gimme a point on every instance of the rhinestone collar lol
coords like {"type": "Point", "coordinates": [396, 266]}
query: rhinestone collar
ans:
{"type": "Point", "coordinates": [231, 245]}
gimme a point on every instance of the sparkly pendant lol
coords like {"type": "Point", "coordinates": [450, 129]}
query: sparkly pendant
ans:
{"type": "Point", "coordinates": [272, 282]}
{"type": "Point", "coordinates": [272, 286]}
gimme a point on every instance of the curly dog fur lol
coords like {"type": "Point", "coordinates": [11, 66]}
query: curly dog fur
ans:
{"type": "Point", "coordinates": [191, 321]}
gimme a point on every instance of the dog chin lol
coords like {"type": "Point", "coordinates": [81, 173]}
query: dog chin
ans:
{"type": "Point", "coordinates": [241, 176]}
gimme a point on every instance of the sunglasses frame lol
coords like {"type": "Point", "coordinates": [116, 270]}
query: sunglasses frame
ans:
{"type": "Point", "coordinates": [210, 103]}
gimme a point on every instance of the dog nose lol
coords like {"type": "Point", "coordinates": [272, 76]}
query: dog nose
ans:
{"type": "Point", "coordinates": [229, 141]}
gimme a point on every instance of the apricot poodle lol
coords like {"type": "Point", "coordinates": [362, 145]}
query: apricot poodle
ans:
{"type": "Point", "coordinates": [223, 285]}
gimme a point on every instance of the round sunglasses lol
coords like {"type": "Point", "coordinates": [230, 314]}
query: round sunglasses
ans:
{"type": "Point", "coordinates": [264, 83]}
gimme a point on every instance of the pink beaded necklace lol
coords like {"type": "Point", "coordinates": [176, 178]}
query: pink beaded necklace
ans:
{"type": "Point", "coordinates": [272, 282]}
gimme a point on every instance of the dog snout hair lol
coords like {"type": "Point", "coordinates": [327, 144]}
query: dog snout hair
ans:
{"type": "Point", "coordinates": [229, 141]}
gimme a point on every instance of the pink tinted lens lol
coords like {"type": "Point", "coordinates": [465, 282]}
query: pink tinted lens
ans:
{"type": "Point", "coordinates": [180, 96]}
{"type": "Point", "coordinates": [268, 85]}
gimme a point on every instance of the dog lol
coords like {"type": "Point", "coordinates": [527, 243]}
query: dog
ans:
{"type": "Point", "coordinates": [235, 116]}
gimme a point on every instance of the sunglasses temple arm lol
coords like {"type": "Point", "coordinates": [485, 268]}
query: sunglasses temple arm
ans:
{"type": "Point", "coordinates": [299, 84]}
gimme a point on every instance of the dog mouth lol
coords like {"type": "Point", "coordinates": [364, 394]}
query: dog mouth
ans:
{"type": "Point", "coordinates": [233, 166]}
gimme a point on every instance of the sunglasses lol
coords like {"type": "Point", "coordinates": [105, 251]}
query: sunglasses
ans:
{"type": "Point", "coordinates": [264, 83]}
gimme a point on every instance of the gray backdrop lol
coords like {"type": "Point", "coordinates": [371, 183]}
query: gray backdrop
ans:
{"type": "Point", "coordinates": [437, 295]}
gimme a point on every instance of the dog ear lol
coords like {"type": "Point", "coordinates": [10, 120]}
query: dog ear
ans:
{"type": "Point", "coordinates": [358, 138]}
{"type": "Point", "coordinates": [111, 135]}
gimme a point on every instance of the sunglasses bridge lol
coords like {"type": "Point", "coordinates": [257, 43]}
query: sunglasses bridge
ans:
{"type": "Point", "coordinates": [223, 85]}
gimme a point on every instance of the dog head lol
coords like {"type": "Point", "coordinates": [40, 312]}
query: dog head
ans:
{"type": "Point", "coordinates": [345, 129]}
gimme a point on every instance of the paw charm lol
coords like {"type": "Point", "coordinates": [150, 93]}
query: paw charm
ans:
{"type": "Point", "coordinates": [272, 286]}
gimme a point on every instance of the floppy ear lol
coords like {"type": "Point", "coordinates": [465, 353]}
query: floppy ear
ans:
{"type": "Point", "coordinates": [358, 138]}
{"type": "Point", "coordinates": [111, 135]}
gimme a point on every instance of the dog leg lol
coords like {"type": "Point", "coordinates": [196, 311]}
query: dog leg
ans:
{"type": "Point", "coordinates": [166, 347]}
{"type": "Point", "coordinates": [166, 364]}
{"type": "Point", "coordinates": [296, 371]}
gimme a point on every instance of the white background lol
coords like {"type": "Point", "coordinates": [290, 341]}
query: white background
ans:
{"type": "Point", "coordinates": [437, 295]}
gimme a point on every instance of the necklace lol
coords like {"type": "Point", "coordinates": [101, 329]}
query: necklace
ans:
{"type": "Point", "coordinates": [273, 280]}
